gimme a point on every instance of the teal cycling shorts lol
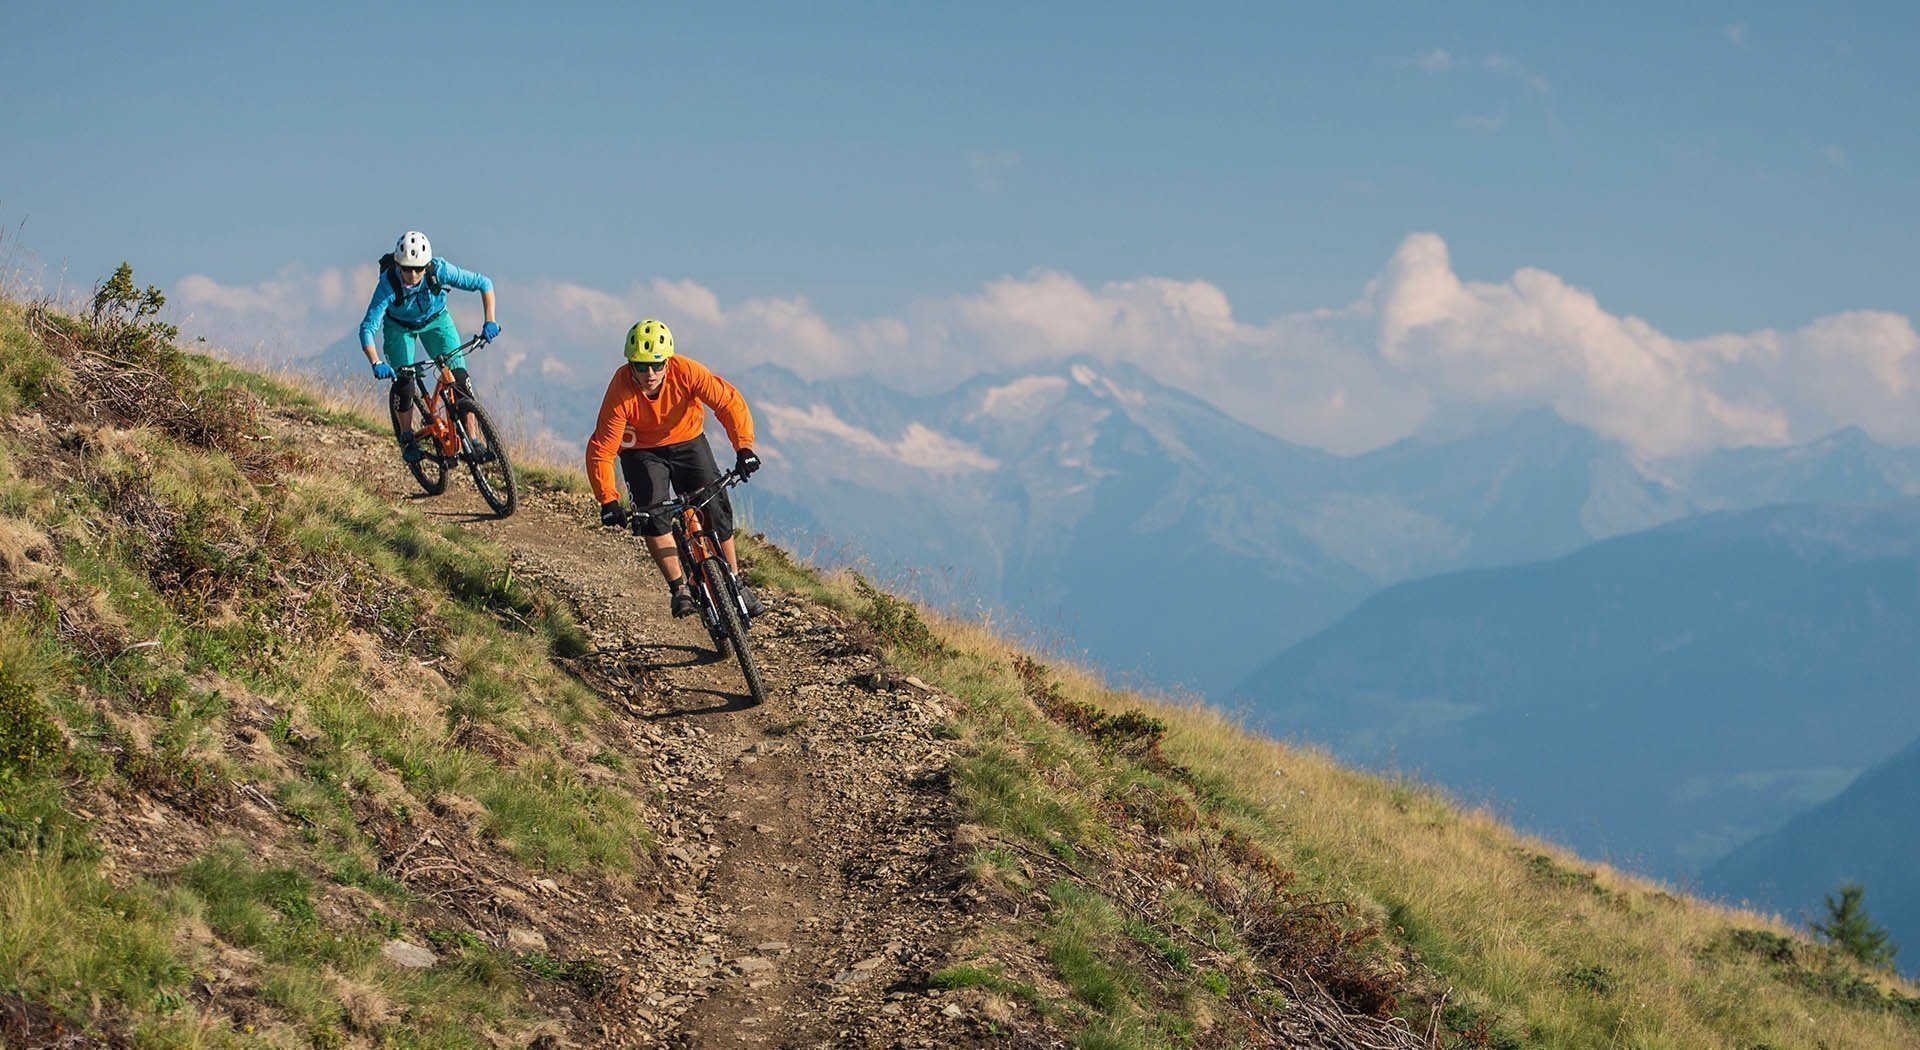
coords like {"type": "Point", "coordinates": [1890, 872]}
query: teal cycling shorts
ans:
{"type": "Point", "coordinates": [438, 337]}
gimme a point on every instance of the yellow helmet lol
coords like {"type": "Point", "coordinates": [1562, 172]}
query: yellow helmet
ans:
{"type": "Point", "coordinates": [649, 342]}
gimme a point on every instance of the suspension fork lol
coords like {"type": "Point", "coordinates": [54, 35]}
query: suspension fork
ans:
{"type": "Point", "coordinates": [696, 549]}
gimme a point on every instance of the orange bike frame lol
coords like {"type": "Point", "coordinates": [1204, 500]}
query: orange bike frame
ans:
{"type": "Point", "coordinates": [439, 421]}
{"type": "Point", "coordinates": [700, 545]}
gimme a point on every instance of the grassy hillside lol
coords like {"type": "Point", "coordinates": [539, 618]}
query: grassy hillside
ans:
{"type": "Point", "coordinates": [257, 725]}
{"type": "Point", "coordinates": [227, 683]}
{"type": "Point", "coordinates": [1187, 836]}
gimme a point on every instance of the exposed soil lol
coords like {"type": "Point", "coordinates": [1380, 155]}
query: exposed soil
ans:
{"type": "Point", "coordinates": [31, 1026]}
{"type": "Point", "coordinates": [806, 879]}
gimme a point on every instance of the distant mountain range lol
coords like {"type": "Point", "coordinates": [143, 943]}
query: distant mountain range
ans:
{"type": "Point", "coordinates": [1139, 528]}
{"type": "Point", "coordinates": [1869, 833]}
{"type": "Point", "coordinates": [1169, 541]}
{"type": "Point", "coordinates": [1658, 698]}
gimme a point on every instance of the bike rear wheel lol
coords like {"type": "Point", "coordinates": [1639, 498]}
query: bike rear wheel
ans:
{"type": "Point", "coordinates": [494, 476]}
{"type": "Point", "coordinates": [727, 598]}
{"type": "Point", "coordinates": [430, 471]}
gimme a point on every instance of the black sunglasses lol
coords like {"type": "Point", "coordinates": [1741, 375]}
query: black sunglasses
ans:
{"type": "Point", "coordinates": [413, 271]}
{"type": "Point", "coordinates": [650, 366]}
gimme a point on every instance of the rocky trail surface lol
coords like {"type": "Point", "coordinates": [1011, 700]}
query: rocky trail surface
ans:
{"type": "Point", "coordinates": [805, 877]}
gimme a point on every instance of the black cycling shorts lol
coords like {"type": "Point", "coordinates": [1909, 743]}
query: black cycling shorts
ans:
{"type": "Point", "coordinates": [685, 467]}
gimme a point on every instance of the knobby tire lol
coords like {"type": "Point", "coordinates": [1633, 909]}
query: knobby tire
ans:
{"type": "Point", "coordinates": [495, 478]}
{"type": "Point", "coordinates": [431, 470]}
{"type": "Point", "coordinates": [720, 586]}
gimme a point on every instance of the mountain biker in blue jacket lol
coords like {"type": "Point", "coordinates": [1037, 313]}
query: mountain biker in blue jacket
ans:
{"type": "Point", "coordinates": [410, 303]}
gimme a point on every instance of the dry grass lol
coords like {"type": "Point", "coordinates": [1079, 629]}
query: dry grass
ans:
{"type": "Point", "coordinates": [1568, 952]}
{"type": "Point", "coordinates": [1514, 940]}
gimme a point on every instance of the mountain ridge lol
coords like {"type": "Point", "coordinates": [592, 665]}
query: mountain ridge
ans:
{"type": "Point", "coordinates": [1681, 659]}
{"type": "Point", "coordinates": [1865, 834]}
{"type": "Point", "coordinates": [1082, 452]}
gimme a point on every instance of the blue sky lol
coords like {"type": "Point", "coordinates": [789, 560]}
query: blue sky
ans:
{"type": "Point", "coordinates": [1717, 169]}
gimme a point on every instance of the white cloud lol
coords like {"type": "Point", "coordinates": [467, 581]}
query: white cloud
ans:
{"type": "Point", "coordinates": [1418, 346]}
{"type": "Point", "coordinates": [689, 300]}
{"type": "Point", "coordinates": [1736, 32]}
{"type": "Point", "coordinates": [1835, 156]}
{"type": "Point", "coordinates": [1534, 339]}
{"type": "Point", "coordinates": [292, 314]}
{"type": "Point", "coordinates": [1481, 123]}
{"type": "Point", "coordinates": [1435, 61]}
{"type": "Point", "coordinates": [1421, 344]}
{"type": "Point", "coordinates": [917, 446]}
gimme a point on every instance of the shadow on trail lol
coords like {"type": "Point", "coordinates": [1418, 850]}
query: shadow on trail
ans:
{"type": "Point", "coordinates": [461, 517]}
{"type": "Point", "coordinates": [729, 703]}
{"type": "Point", "coordinates": [696, 656]}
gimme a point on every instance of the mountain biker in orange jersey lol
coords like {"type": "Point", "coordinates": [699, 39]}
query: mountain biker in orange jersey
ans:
{"type": "Point", "coordinates": [653, 419]}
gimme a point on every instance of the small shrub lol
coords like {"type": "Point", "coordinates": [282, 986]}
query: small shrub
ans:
{"type": "Point", "coordinates": [1849, 928]}
{"type": "Point", "coordinates": [122, 314]}
{"type": "Point", "coordinates": [1591, 977]}
{"type": "Point", "coordinates": [963, 975]}
{"type": "Point", "coordinates": [1130, 732]}
{"type": "Point", "coordinates": [589, 977]}
{"type": "Point", "coordinates": [1473, 1027]}
{"type": "Point", "coordinates": [28, 738]}
{"type": "Point", "coordinates": [1768, 945]}
{"type": "Point", "coordinates": [1545, 869]}
{"type": "Point", "coordinates": [126, 366]}
{"type": "Point", "coordinates": [897, 622]}
{"type": "Point", "coordinates": [1162, 945]}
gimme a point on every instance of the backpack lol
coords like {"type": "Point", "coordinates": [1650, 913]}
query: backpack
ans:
{"type": "Point", "coordinates": [392, 273]}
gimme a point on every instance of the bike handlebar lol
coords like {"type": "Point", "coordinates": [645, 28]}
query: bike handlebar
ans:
{"type": "Point", "coordinates": [436, 360]}
{"type": "Point", "coordinates": [699, 497]}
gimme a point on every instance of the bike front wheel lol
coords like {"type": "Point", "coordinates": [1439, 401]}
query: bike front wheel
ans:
{"type": "Point", "coordinates": [430, 470]}
{"type": "Point", "coordinates": [727, 600]}
{"type": "Point", "coordinates": [492, 472]}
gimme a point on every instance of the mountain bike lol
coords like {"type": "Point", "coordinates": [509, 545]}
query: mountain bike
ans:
{"type": "Point", "coordinates": [715, 588]}
{"type": "Point", "coordinates": [452, 427]}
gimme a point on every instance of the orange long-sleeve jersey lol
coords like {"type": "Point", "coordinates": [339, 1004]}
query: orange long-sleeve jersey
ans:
{"type": "Point", "coordinates": [630, 419]}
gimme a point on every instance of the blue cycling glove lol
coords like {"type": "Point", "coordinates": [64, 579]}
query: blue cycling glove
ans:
{"type": "Point", "coordinates": [382, 370]}
{"type": "Point", "coordinates": [489, 332]}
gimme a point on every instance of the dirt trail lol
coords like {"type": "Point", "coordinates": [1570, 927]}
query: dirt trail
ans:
{"type": "Point", "coordinates": [807, 877]}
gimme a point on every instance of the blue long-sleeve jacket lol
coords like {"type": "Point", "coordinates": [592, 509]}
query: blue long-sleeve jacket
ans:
{"type": "Point", "coordinates": [420, 302]}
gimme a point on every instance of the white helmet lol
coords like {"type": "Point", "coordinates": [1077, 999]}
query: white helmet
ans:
{"type": "Point", "coordinates": [412, 249]}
